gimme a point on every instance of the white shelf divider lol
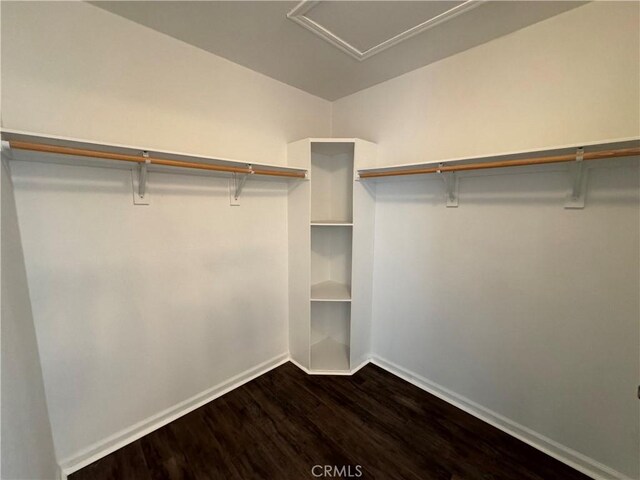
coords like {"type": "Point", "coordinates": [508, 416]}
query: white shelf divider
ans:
{"type": "Point", "coordinates": [331, 223]}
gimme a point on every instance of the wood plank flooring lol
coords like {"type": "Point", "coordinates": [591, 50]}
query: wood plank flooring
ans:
{"type": "Point", "coordinates": [282, 424]}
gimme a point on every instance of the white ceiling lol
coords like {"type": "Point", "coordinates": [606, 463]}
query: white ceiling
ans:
{"type": "Point", "coordinates": [258, 35]}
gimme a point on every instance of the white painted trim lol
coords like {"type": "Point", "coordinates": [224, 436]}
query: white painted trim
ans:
{"type": "Point", "coordinates": [329, 372]}
{"type": "Point", "coordinates": [337, 224]}
{"type": "Point", "coordinates": [319, 372]}
{"type": "Point", "coordinates": [300, 366]}
{"type": "Point", "coordinates": [331, 140]}
{"type": "Point", "coordinates": [118, 440]}
{"type": "Point", "coordinates": [297, 14]}
{"type": "Point", "coordinates": [566, 455]}
{"type": "Point", "coordinates": [363, 364]}
{"type": "Point", "coordinates": [346, 373]}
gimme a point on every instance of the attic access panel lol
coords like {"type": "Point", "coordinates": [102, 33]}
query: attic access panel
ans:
{"type": "Point", "coordinates": [363, 29]}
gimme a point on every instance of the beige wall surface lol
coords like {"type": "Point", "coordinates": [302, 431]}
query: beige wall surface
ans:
{"type": "Point", "coordinates": [139, 308]}
{"type": "Point", "coordinates": [27, 443]}
{"type": "Point", "coordinates": [75, 70]}
{"type": "Point", "coordinates": [564, 81]}
{"type": "Point", "coordinates": [520, 306]}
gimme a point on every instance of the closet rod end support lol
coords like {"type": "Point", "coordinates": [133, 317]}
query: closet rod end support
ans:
{"type": "Point", "coordinates": [236, 185]}
{"type": "Point", "coordinates": [451, 186]}
{"type": "Point", "coordinates": [6, 148]}
{"type": "Point", "coordinates": [576, 197]}
{"type": "Point", "coordinates": [140, 190]}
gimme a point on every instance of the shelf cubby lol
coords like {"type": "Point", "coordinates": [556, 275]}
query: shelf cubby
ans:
{"type": "Point", "coordinates": [330, 291]}
{"type": "Point", "coordinates": [332, 182]}
{"type": "Point", "coordinates": [331, 263]}
{"type": "Point", "coordinates": [330, 330]}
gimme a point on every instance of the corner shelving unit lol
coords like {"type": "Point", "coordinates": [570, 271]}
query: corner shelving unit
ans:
{"type": "Point", "coordinates": [330, 255]}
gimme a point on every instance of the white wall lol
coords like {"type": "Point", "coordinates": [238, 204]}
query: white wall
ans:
{"type": "Point", "coordinates": [511, 301]}
{"type": "Point", "coordinates": [75, 70]}
{"type": "Point", "coordinates": [517, 304]}
{"type": "Point", "coordinates": [27, 444]}
{"type": "Point", "coordinates": [570, 79]}
{"type": "Point", "coordinates": [139, 308]}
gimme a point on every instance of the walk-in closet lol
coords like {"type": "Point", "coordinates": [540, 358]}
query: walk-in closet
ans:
{"type": "Point", "coordinates": [320, 239]}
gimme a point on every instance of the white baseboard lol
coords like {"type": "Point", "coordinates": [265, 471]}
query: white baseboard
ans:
{"type": "Point", "coordinates": [363, 364]}
{"type": "Point", "coordinates": [328, 372]}
{"type": "Point", "coordinates": [580, 462]}
{"type": "Point", "coordinates": [299, 365]}
{"type": "Point", "coordinates": [114, 442]}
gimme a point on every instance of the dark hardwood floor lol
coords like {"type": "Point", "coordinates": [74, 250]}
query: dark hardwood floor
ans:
{"type": "Point", "coordinates": [281, 424]}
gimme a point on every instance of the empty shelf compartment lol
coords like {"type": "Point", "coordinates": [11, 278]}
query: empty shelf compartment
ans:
{"type": "Point", "coordinates": [330, 334]}
{"type": "Point", "coordinates": [330, 291]}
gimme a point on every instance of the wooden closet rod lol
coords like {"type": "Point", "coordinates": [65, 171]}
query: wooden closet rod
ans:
{"type": "Point", "coordinates": [625, 152]}
{"type": "Point", "coordinates": [41, 147]}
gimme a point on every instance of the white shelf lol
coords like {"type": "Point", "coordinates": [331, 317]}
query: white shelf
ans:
{"type": "Point", "coordinates": [332, 140]}
{"type": "Point", "coordinates": [329, 355]}
{"type": "Point", "coordinates": [330, 291]}
{"type": "Point", "coordinates": [611, 144]}
{"type": "Point", "coordinates": [21, 135]}
{"type": "Point", "coordinates": [331, 223]}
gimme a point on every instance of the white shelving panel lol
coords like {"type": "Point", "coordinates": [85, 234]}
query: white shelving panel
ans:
{"type": "Point", "coordinates": [364, 211]}
{"type": "Point", "coordinates": [331, 224]}
{"type": "Point", "coordinates": [299, 237]}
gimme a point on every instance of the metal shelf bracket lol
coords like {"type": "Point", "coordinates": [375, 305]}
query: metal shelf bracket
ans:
{"type": "Point", "coordinates": [140, 194]}
{"type": "Point", "coordinates": [236, 184]}
{"type": "Point", "coordinates": [6, 150]}
{"type": "Point", "coordinates": [450, 180]}
{"type": "Point", "coordinates": [576, 197]}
